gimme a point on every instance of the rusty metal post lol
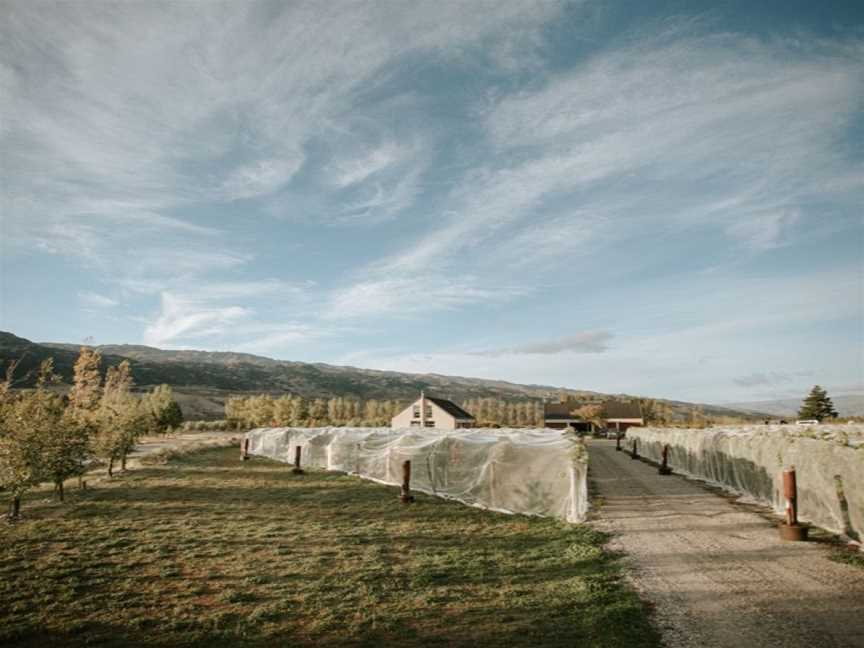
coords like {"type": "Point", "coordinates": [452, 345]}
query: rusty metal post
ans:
{"type": "Point", "coordinates": [664, 465]}
{"type": "Point", "coordinates": [297, 470]}
{"type": "Point", "coordinates": [634, 454]}
{"type": "Point", "coordinates": [244, 449]}
{"type": "Point", "coordinates": [791, 530]}
{"type": "Point", "coordinates": [406, 496]}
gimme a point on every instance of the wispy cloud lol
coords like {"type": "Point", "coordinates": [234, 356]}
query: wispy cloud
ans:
{"type": "Point", "coordinates": [770, 378]}
{"type": "Point", "coordinates": [265, 176]}
{"type": "Point", "coordinates": [95, 300]}
{"type": "Point", "coordinates": [406, 297]}
{"type": "Point", "coordinates": [260, 178]}
{"type": "Point", "coordinates": [183, 318]}
{"type": "Point", "coordinates": [244, 315]}
{"type": "Point", "coordinates": [738, 142]}
{"type": "Point", "coordinates": [583, 342]}
{"type": "Point", "coordinates": [347, 172]}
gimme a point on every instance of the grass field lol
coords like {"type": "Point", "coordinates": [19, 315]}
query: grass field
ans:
{"type": "Point", "coordinates": [206, 550]}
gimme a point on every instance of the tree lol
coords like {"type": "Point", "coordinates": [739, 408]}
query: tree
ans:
{"type": "Point", "coordinates": [299, 413]}
{"type": "Point", "coordinates": [86, 383]}
{"type": "Point", "coordinates": [260, 413]}
{"type": "Point", "coordinates": [590, 412]}
{"type": "Point", "coordinates": [64, 446]}
{"type": "Point", "coordinates": [817, 405]}
{"type": "Point", "coordinates": [40, 439]}
{"type": "Point", "coordinates": [19, 459]}
{"type": "Point", "coordinates": [282, 410]}
{"type": "Point", "coordinates": [121, 417]}
{"type": "Point", "coordinates": [235, 410]}
{"type": "Point", "coordinates": [318, 411]}
{"type": "Point", "coordinates": [163, 408]}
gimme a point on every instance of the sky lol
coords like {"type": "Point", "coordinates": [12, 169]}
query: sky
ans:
{"type": "Point", "coordinates": [662, 199]}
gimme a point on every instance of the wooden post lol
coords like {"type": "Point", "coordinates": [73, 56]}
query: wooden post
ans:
{"type": "Point", "coordinates": [297, 470]}
{"type": "Point", "coordinates": [664, 466]}
{"type": "Point", "coordinates": [790, 492]}
{"type": "Point", "coordinates": [791, 530]}
{"type": "Point", "coordinates": [406, 496]}
{"type": "Point", "coordinates": [244, 449]}
{"type": "Point", "coordinates": [618, 441]}
{"type": "Point", "coordinates": [634, 454]}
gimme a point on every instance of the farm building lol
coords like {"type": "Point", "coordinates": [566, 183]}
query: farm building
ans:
{"type": "Point", "coordinates": [433, 413]}
{"type": "Point", "coordinates": [558, 416]}
{"type": "Point", "coordinates": [621, 415]}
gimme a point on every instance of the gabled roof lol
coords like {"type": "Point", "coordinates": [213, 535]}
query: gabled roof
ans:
{"type": "Point", "coordinates": [561, 411]}
{"type": "Point", "coordinates": [451, 408]}
{"type": "Point", "coordinates": [613, 409]}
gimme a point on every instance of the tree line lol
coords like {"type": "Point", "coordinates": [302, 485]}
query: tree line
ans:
{"type": "Point", "coordinates": [496, 411]}
{"type": "Point", "coordinates": [265, 410]}
{"type": "Point", "coordinates": [48, 437]}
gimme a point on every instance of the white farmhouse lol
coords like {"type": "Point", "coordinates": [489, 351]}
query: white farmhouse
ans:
{"type": "Point", "coordinates": [433, 413]}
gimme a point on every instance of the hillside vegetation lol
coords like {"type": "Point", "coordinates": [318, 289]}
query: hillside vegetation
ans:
{"type": "Point", "coordinates": [203, 380]}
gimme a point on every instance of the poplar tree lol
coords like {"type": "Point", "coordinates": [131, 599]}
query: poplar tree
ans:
{"type": "Point", "coordinates": [282, 410]}
{"type": "Point", "coordinates": [87, 380]}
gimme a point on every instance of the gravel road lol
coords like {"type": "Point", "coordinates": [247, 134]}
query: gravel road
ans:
{"type": "Point", "coordinates": [716, 571]}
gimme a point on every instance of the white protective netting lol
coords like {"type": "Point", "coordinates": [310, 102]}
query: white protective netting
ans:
{"type": "Point", "coordinates": [537, 472]}
{"type": "Point", "coordinates": [828, 461]}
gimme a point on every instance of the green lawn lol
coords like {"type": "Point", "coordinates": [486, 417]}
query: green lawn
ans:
{"type": "Point", "coordinates": [206, 550]}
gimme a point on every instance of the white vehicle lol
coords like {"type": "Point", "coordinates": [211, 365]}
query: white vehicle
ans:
{"type": "Point", "coordinates": [807, 422]}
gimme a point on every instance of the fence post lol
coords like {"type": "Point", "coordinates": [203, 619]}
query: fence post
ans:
{"type": "Point", "coordinates": [297, 470]}
{"type": "Point", "coordinates": [618, 441]}
{"type": "Point", "coordinates": [634, 454]}
{"type": "Point", "coordinates": [791, 530]}
{"type": "Point", "coordinates": [664, 465]}
{"type": "Point", "coordinates": [406, 496]}
{"type": "Point", "coordinates": [244, 449]}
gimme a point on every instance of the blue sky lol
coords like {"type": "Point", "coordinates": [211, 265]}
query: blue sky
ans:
{"type": "Point", "coordinates": [662, 201]}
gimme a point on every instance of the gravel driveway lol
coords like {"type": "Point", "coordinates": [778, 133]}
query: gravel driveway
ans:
{"type": "Point", "coordinates": [717, 571]}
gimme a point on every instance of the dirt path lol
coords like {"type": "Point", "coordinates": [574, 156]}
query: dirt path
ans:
{"type": "Point", "coordinates": [179, 441]}
{"type": "Point", "coordinates": [717, 571]}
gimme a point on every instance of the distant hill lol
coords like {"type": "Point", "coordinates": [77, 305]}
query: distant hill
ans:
{"type": "Point", "coordinates": [203, 379]}
{"type": "Point", "coordinates": [845, 404]}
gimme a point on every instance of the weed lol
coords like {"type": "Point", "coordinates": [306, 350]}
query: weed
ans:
{"type": "Point", "coordinates": [847, 557]}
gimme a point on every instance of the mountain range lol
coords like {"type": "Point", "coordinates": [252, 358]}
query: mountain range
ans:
{"type": "Point", "coordinates": [845, 404]}
{"type": "Point", "coordinates": [202, 380]}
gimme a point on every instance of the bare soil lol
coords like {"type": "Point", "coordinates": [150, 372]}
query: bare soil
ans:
{"type": "Point", "coordinates": [716, 571]}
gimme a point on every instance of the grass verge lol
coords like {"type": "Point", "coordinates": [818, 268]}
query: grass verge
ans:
{"type": "Point", "coordinates": [205, 550]}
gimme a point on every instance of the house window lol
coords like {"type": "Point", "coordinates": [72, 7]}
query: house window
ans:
{"type": "Point", "coordinates": [417, 411]}
{"type": "Point", "coordinates": [430, 424]}
{"type": "Point", "coordinates": [415, 423]}
{"type": "Point", "coordinates": [428, 412]}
